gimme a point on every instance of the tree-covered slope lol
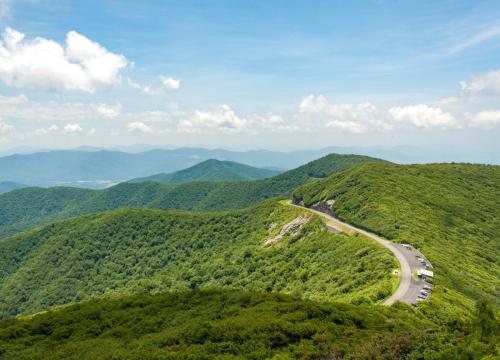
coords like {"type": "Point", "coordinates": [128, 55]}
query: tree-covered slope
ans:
{"type": "Point", "coordinates": [450, 212]}
{"type": "Point", "coordinates": [211, 170]}
{"type": "Point", "coordinates": [133, 250]}
{"type": "Point", "coordinates": [212, 324]}
{"type": "Point", "coordinates": [23, 209]}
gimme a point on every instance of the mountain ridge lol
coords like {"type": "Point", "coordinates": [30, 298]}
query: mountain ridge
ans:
{"type": "Point", "coordinates": [211, 170]}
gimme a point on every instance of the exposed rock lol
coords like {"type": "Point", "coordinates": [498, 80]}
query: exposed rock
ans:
{"type": "Point", "coordinates": [326, 207]}
{"type": "Point", "coordinates": [292, 228]}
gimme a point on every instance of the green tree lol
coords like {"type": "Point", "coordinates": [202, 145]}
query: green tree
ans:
{"type": "Point", "coordinates": [484, 324]}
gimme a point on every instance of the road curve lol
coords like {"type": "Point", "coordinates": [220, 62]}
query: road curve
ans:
{"type": "Point", "coordinates": [409, 287]}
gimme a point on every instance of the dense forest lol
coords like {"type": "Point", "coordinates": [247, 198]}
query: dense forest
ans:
{"type": "Point", "coordinates": [136, 250]}
{"type": "Point", "coordinates": [218, 324]}
{"type": "Point", "coordinates": [26, 208]}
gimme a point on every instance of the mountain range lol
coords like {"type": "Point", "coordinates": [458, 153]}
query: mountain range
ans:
{"type": "Point", "coordinates": [91, 167]}
{"type": "Point", "coordinates": [114, 275]}
{"type": "Point", "coordinates": [211, 170]}
{"type": "Point", "coordinates": [22, 209]}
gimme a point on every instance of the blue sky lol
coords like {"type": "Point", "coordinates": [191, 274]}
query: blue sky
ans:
{"type": "Point", "coordinates": [260, 74]}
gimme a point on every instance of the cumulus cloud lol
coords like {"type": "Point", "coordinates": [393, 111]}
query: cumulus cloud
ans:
{"type": "Point", "coordinates": [79, 64]}
{"type": "Point", "coordinates": [423, 116]}
{"type": "Point", "coordinates": [45, 131]}
{"type": "Point", "coordinates": [170, 83]}
{"type": "Point", "coordinates": [348, 125]}
{"type": "Point", "coordinates": [108, 111]}
{"type": "Point", "coordinates": [146, 89]}
{"type": "Point", "coordinates": [166, 83]}
{"type": "Point", "coordinates": [486, 84]}
{"type": "Point", "coordinates": [487, 119]}
{"type": "Point", "coordinates": [223, 119]}
{"type": "Point", "coordinates": [72, 128]}
{"type": "Point", "coordinates": [313, 104]}
{"type": "Point", "coordinates": [354, 118]}
{"type": "Point", "coordinates": [138, 126]}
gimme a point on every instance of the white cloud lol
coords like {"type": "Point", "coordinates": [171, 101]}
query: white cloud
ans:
{"type": "Point", "coordinates": [146, 89]}
{"type": "Point", "coordinates": [224, 119]}
{"type": "Point", "coordinates": [5, 128]}
{"type": "Point", "coordinates": [487, 119]}
{"type": "Point", "coordinates": [354, 118]}
{"type": "Point", "coordinates": [423, 116]}
{"type": "Point", "coordinates": [72, 128]}
{"type": "Point", "coordinates": [488, 83]}
{"type": "Point", "coordinates": [170, 83]}
{"type": "Point", "coordinates": [108, 111]}
{"type": "Point", "coordinates": [348, 125]}
{"type": "Point", "coordinates": [313, 104]}
{"type": "Point", "coordinates": [41, 63]}
{"type": "Point", "coordinates": [45, 131]}
{"type": "Point", "coordinates": [274, 123]}
{"type": "Point", "coordinates": [92, 131]}
{"type": "Point", "coordinates": [139, 126]}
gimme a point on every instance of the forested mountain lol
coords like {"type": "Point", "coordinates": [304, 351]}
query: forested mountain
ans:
{"type": "Point", "coordinates": [136, 250]}
{"type": "Point", "coordinates": [448, 211]}
{"type": "Point", "coordinates": [23, 209]}
{"type": "Point", "coordinates": [211, 170]}
{"type": "Point", "coordinates": [215, 324]}
{"type": "Point", "coordinates": [102, 168]}
{"type": "Point", "coordinates": [6, 186]}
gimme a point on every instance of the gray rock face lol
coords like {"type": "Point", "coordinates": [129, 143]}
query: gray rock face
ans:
{"type": "Point", "coordinates": [326, 207]}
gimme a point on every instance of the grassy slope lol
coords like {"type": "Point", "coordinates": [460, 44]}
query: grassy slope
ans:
{"type": "Point", "coordinates": [26, 208]}
{"type": "Point", "coordinates": [130, 251]}
{"type": "Point", "coordinates": [449, 211]}
{"type": "Point", "coordinates": [211, 170]}
{"type": "Point", "coordinates": [212, 324]}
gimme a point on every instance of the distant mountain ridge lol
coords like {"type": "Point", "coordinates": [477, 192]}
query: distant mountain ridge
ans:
{"type": "Point", "coordinates": [6, 186]}
{"type": "Point", "coordinates": [211, 170]}
{"type": "Point", "coordinates": [25, 208]}
{"type": "Point", "coordinates": [102, 168]}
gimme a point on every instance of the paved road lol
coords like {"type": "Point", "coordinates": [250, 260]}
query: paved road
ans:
{"type": "Point", "coordinates": [410, 286]}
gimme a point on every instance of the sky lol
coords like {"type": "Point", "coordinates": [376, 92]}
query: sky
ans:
{"type": "Point", "coordinates": [251, 74]}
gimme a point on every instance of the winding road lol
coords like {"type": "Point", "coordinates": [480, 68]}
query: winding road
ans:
{"type": "Point", "coordinates": [409, 287]}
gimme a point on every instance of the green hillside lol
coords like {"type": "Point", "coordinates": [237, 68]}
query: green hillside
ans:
{"type": "Point", "coordinates": [448, 211]}
{"type": "Point", "coordinates": [23, 209]}
{"type": "Point", "coordinates": [212, 324]}
{"type": "Point", "coordinates": [211, 170]}
{"type": "Point", "coordinates": [6, 186]}
{"type": "Point", "coordinates": [136, 250]}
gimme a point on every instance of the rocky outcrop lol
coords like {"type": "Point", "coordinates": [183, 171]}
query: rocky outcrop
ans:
{"type": "Point", "coordinates": [326, 207]}
{"type": "Point", "coordinates": [292, 228]}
